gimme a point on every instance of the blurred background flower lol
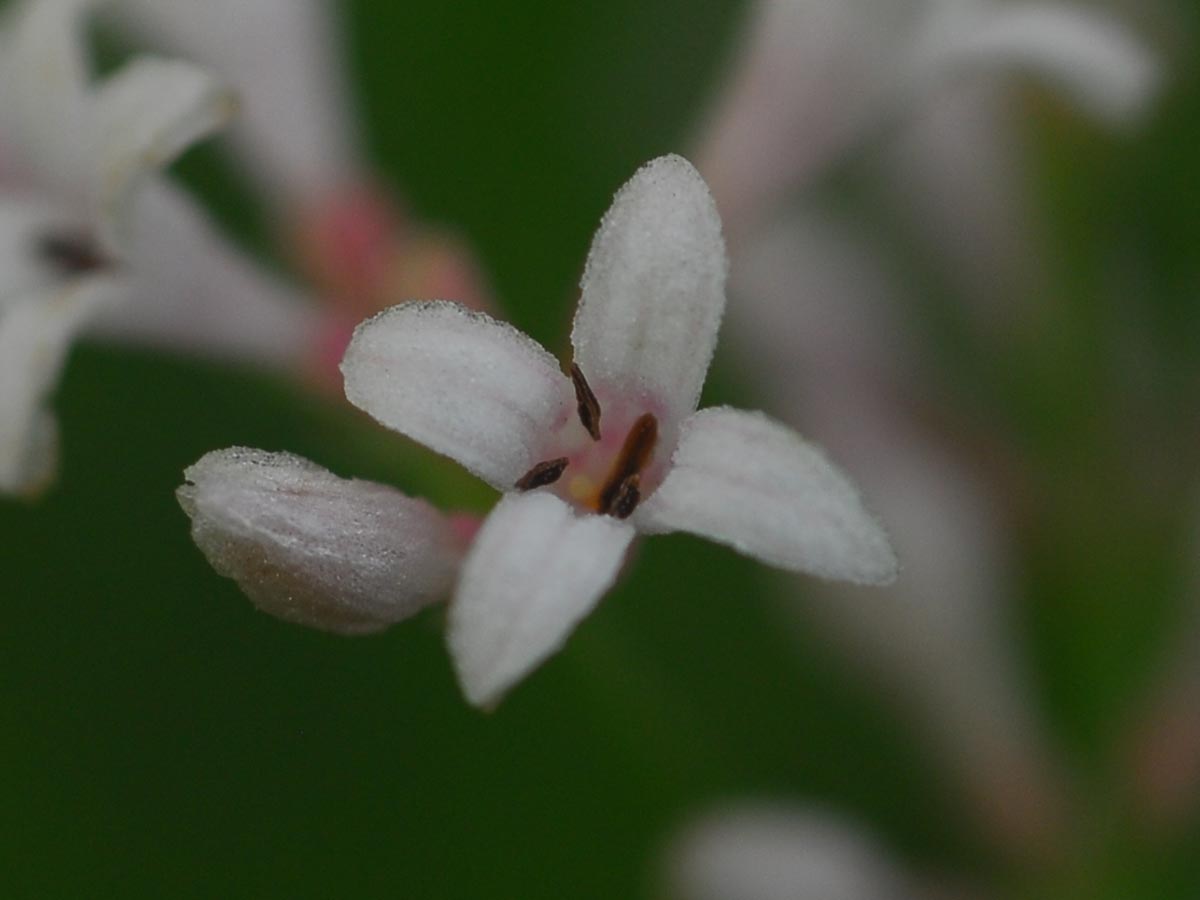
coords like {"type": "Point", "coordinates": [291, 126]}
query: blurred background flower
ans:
{"type": "Point", "coordinates": [989, 292]}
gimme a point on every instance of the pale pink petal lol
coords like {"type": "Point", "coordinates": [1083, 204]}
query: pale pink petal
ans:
{"type": "Point", "coordinates": [346, 556]}
{"type": "Point", "coordinates": [742, 479]}
{"type": "Point", "coordinates": [461, 383]}
{"type": "Point", "coordinates": [536, 569]}
{"type": "Point", "coordinates": [654, 289]}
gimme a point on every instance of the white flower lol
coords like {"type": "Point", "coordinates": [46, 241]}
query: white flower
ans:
{"type": "Point", "coordinates": [72, 155]}
{"type": "Point", "coordinates": [590, 461]}
{"type": "Point", "coordinates": [351, 557]}
{"type": "Point", "coordinates": [774, 853]}
{"type": "Point", "coordinates": [816, 77]}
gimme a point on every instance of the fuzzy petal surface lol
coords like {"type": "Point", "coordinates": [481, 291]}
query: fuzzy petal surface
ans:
{"type": "Point", "coordinates": [535, 570]}
{"type": "Point", "coordinates": [459, 382]}
{"type": "Point", "coordinates": [654, 288]}
{"type": "Point", "coordinates": [306, 546]}
{"type": "Point", "coordinates": [742, 479]}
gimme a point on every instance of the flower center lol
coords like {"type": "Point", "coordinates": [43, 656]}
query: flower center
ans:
{"type": "Point", "coordinates": [606, 470]}
{"type": "Point", "coordinates": [70, 253]}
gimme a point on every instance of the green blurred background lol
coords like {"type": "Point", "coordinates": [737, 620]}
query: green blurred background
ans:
{"type": "Point", "coordinates": [160, 738]}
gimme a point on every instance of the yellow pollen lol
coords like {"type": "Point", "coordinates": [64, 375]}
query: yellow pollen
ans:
{"type": "Point", "coordinates": [581, 488]}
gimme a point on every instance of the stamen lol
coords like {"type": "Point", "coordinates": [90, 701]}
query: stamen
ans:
{"type": "Point", "coordinates": [635, 455]}
{"type": "Point", "coordinates": [588, 405]}
{"type": "Point", "coordinates": [70, 253]}
{"type": "Point", "coordinates": [542, 474]}
{"type": "Point", "coordinates": [628, 497]}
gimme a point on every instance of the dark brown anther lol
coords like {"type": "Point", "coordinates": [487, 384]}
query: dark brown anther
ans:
{"type": "Point", "coordinates": [542, 474]}
{"type": "Point", "coordinates": [70, 253]}
{"type": "Point", "coordinates": [627, 498]}
{"type": "Point", "coordinates": [635, 455]}
{"type": "Point", "coordinates": [589, 406]}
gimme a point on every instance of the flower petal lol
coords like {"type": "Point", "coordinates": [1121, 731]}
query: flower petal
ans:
{"type": "Point", "coordinates": [745, 480]}
{"type": "Point", "coordinates": [1084, 53]}
{"type": "Point", "coordinates": [36, 331]}
{"type": "Point", "coordinates": [296, 129]}
{"type": "Point", "coordinates": [346, 556]}
{"type": "Point", "coordinates": [145, 116]}
{"type": "Point", "coordinates": [769, 853]}
{"type": "Point", "coordinates": [654, 288]}
{"type": "Point", "coordinates": [43, 93]}
{"type": "Point", "coordinates": [461, 383]}
{"type": "Point", "coordinates": [195, 292]}
{"type": "Point", "coordinates": [535, 570]}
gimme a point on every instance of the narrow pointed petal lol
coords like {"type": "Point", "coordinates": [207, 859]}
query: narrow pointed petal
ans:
{"type": "Point", "coordinates": [306, 546]}
{"type": "Point", "coordinates": [654, 288]}
{"type": "Point", "coordinates": [461, 383]}
{"type": "Point", "coordinates": [295, 132]}
{"type": "Point", "coordinates": [768, 853]}
{"type": "Point", "coordinates": [194, 292]}
{"type": "Point", "coordinates": [145, 116]}
{"type": "Point", "coordinates": [35, 338]}
{"type": "Point", "coordinates": [1090, 57]}
{"type": "Point", "coordinates": [535, 571]}
{"type": "Point", "coordinates": [741, 479]}
{"type": "Point", "coordinates": [43, 77]}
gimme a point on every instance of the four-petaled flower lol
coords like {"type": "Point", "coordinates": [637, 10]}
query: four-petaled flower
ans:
{"type": "Point", "coordinates": [589, 461]}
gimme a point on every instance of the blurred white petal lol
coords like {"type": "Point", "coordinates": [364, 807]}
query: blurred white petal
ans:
{"type": "Point", "coordinates": [283, 57]}
{"type": "Point", "coordinates": [461, 383]}
{"type": "Point", "coordinates": [772, 853]}
{"type": "Point", "coordinates": [346, 556]}
{"type": "Point", "coordinates": [941, 640]}
{"type": "Point", "coordinates": [654, 288]}
{"type": "Point", "coordinates": [194, 292]}
{"type": "Point", "coordinates": [741, 479]}
{"type": "Point", "coordinates": [822, 339]}
{"type": "Point", "coordinates": [36, 331]}
{"type": "Point", "coordinates": [146, 115]}
{"type": "Point", "coordinates": [44, 102]}
{"type": "Point", "coordinates": [535, 570]}
{"type": "Point", "coordinates": [808, 77]}
{"type": "Point", "coordinates": [1093, 59]}
{"type": "Point", "coordinates": [815, 79]}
